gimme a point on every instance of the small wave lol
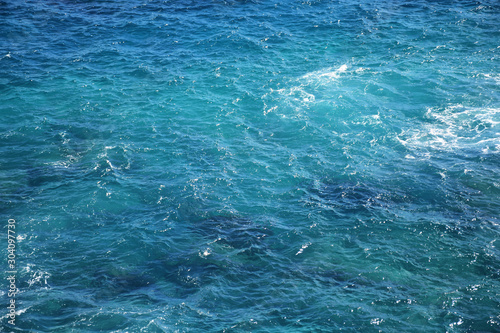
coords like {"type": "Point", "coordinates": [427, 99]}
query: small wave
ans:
{"type": "Point", "coordinates": [114, 160]}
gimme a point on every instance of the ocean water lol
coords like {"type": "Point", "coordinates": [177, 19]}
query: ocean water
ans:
{"type": "Point", "coordinates": [250, 166]}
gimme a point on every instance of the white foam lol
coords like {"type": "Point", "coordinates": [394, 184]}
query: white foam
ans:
{"type": "Point", "coordinates": [39, 277]}
{"type": "Point", "coordinates": [18, 313]}
{"type": "Point", "coordinates": [302, 91]}
{"type": "Point", "coordinates": [456, 127]}
{"type": "Point", "coordinates": [305, 246]}
{"type": "Point", "coordinates": [205, 253]}
{"type": "Point", "coordinates": [326, 72]}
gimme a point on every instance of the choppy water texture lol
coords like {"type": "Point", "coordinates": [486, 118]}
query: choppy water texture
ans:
{"type": "Point", "coordinates": [236, 166]}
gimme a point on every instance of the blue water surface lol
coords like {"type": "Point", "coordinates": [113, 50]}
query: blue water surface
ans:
{"type": "Point", "coordinates": [251, 166]}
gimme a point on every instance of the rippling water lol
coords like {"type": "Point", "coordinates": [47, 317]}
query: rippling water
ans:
{"type": "Point", "coordinates": [235, 166]}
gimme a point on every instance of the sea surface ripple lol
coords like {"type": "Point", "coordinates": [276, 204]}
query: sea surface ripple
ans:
{"type": "Point", "coordinates": [251, 166]}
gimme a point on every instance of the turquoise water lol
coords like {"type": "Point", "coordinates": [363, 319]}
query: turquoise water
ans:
{"type": "Point", "coordinates": [251, 166]}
